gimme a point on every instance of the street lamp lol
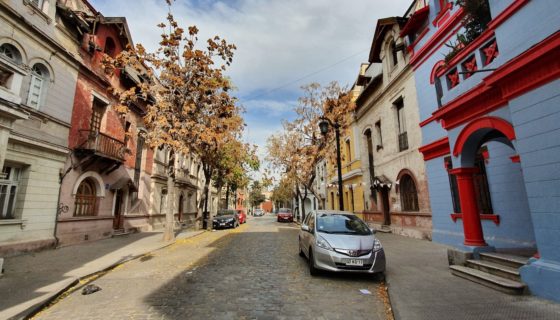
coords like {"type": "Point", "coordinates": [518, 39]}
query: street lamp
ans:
{"type": "Point", "coordinates": [324, 124]}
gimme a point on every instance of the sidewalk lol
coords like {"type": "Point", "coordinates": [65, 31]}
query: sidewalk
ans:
{"type": "Point", "coordinates": [33, 279]}
{"type": "Point", "coordinates": [422, 287]}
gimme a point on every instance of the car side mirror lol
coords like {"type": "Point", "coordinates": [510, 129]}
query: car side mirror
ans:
{"type": "Point", "coordinates": [305, 227]}
{"type": "Point", "coordinates": [372, 230]}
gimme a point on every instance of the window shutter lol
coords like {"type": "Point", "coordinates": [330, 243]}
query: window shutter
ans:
{"type": "Point", "coordinates": [35, 91]}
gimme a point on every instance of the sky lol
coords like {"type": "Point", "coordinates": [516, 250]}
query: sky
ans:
{"type": "Point", "coordinates": [281, 45]}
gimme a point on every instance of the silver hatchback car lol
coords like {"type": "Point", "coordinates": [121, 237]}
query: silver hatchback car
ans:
{"type": "Point", "coordinates": [339, 241]}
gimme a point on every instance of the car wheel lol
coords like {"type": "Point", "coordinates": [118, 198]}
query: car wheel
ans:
{"type": "Point", "coordinates": [301, 253]}
{"type": "Point", "coordinates": [379, 276]}
{"type": "Point", "coordinates": [312, 270]}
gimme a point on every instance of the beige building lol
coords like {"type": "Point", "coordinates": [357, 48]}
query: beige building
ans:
{"type": "Point", "coordinates": [387, 120]}
{"type": "Point", "coordinates": [37, 80]}
{"type": "Point", "coordinates": [186, 192]}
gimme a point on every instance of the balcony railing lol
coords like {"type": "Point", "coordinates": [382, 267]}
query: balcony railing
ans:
{"type": "Point", "coordinates": [101, 144]}
{"type": "Point", "coordinates": [403, 141]}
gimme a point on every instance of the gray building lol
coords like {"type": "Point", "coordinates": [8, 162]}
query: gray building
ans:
{"type": "Point", "coordinates": [37, 84]}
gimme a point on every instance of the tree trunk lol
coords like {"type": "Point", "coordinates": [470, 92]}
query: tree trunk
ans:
{"type": "Point", "coordinates": [303, 204]}
{"type": "Point", "coordinates": [227, 196]}
{"type": "Point", "coordinates": [207, 176]}
{"type": "Point", "coordinates": [169, 234]}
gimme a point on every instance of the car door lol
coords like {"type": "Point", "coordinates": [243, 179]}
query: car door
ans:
{"type": "Point", "coordinates": [306, 235]}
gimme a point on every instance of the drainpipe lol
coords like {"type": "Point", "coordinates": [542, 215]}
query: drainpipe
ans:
{"type": "Point", "coordinates": [61, 177]}
{"type": "Point", "coordinates": [58, 208]}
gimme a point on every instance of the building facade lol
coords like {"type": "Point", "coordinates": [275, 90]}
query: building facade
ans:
{"type": "Point", "coordinates": [105, 185]}
{"type": "Point", "coordinates": [38, 75]}
{"type": "Point", "coordinates": [489, 116]}
{"type": "Point", "coordinates": [353, 197]}
{"type": "Point", "coordinates": [397, 197]}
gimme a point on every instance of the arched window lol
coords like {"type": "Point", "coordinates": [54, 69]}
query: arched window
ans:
{"type": "Point", "coordinates": [86, 199]}
{"type": "Point", "coordinates": [10, 52]}
{"type": "Point", "coordinates": [393, 49]}
{"type": "Point", "coordinates": [409, 196]}
{"type": "Point", "coordinates": [37, 86]}
{"type": "Point", "coordinates": [110, 47]}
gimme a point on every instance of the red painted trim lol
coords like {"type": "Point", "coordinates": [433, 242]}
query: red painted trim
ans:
{"type": "Point", "coordinates": [515, 159]}
{"type": "Point", "coordinates": [425, 122]}
{"type": "Point", "coordinates": [420, 36]}
{"type": "Point", "coordinates": [531, 69]}
{"type": "Point", "coordinates": [507, 13]}
{"type": "Point", "coordinates": [492, 217]}
{"type": "Point", "coordinates": [415, 20]}
{"type": "Point", "coordinates": [487, 122]}
{"type": "Point", "coordinates": [436, 40]}
{"type": "Point", "coordinates": [442, 15]}
{"type": "Point", "coordinates": [464, 171]}
{"type": "Point", "coordinates": [432, 44]}
{"type": "Point", "coordinates": [472, 226]}
{"type": "Point", "coordinates": [435, 149]}
{"type": "Point", "coordinates": [440, 65]}
{"type": "Point", "coordinates": [469, 49]}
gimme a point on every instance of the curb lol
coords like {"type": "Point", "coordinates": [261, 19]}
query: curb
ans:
{"type": "Point", "coordinates": [40, 306]}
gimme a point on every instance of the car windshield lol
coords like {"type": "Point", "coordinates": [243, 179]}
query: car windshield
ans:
{"type": "Point", "coordinates": [341, 224]}
{"type": "Point", "coordinates": [226, 212]}
{"type": "Point", "coordinates": [284, 210]}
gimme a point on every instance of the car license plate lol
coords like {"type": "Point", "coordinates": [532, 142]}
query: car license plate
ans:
{"type": "Point", "coordinates": [354, 262]}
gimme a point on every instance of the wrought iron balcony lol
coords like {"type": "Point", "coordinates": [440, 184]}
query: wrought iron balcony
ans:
{"type": "Point", "coordinates": [403, 141]}
{"type": "Point", "coordinates": [101, 145]}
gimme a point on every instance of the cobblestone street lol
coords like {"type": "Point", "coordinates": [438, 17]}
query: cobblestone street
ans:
{"type": "Point", "coordinates": [253, 272]}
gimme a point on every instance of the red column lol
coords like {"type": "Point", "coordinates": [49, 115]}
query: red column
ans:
{"type": "Point", "coordinates": [467, 197]}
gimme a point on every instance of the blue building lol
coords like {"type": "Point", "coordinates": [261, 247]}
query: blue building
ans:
{"type": "Point", "coordinates": [489, 96]}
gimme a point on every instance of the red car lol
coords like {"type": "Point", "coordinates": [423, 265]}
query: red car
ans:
{"type": "Point", "coordinates": [242, 216]}
{"type": "Point", "coordinates": [285, 214]}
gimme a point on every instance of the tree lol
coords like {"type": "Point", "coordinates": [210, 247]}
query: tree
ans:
{"type": "Point", "coordinates": [283, 193]}
{"type": "Point", "coordinates": [296, 150]}
{"type": "Point", "coordinates": [236, 160]}
{"type": "Point", "coordinates": [256, 196]}
{"type": "Point", "coordinates": [189, 108]}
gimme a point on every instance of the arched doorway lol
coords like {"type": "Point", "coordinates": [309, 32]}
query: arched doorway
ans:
{"type": "Point", "coordinates": [86, 203]}
{"type": "Point", "coordinates": [181, 208]}
{"type": "Point", "coordinates": [409, 193]}
{"type": "Point", "coordinates": [475, 189]}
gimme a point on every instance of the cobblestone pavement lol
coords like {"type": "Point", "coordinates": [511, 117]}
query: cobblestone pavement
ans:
{"type": "Point", "coordinates": [253, 272]}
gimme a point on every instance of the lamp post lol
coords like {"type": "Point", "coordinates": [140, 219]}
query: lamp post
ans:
{"type": "Point", "coordinates": [324, 127]}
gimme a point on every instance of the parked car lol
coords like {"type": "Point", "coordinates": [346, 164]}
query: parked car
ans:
{"type": "Point", "coordinates": [285, 214]}
{"type": "Point", "coordinates": [339, 241]}
{"type": "Point", "coordinates": [226, 218]}
{"type": "Point", "coordinates": [242, 216]}
{"type": "Point", "coordinates": [259, 213]}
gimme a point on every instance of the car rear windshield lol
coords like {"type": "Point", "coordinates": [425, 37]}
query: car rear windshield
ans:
{"type": "Point", "coordinates": [226, 212]}
{"type": "Point", "coordinates": [284, 211]}
{"type": "Point", "coordinates": [341, 224]}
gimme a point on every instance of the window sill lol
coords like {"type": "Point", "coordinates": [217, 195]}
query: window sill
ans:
{"type": "Point", "coordinates": [442, 16]}
{"type": "Point", "coordinates": [85, 218]}
{"type": "Point", "coordinates": [492, 217]}
{"type": "Point", "coordinates": [38, 11]}
{"type": "Point", "coordinates": [11, 222]}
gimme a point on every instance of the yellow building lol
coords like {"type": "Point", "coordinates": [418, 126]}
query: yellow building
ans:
{"type": "Point", "coordinates": [353, 191]}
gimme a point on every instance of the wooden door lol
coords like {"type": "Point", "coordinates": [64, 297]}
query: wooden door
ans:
{"type": "Point", "coordinates": [118, 217]}
{"type": "Point", "coordinates": [386, 212]}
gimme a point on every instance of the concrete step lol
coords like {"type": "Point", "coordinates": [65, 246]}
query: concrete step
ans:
{"type": "Point", "coordinates": [504, 259]}
{"type": "Point", "coordinates": [121, 233]}
{"type": "Point", "coordinates": [381, 228]}
{"type": "Point", "coordinates": [495, 269]}
{"type": "Point", "coordinates": [489, 280]}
